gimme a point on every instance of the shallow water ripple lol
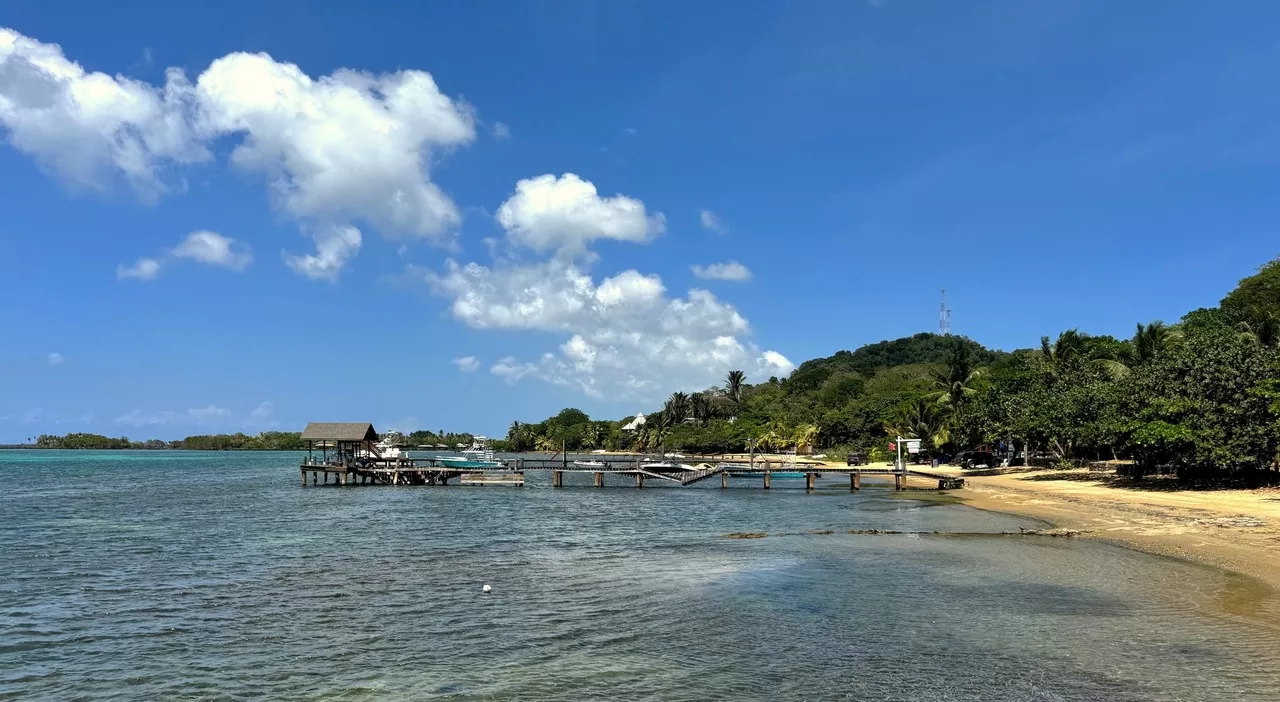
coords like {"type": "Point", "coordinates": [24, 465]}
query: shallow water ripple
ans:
{"type": "Point", "coordinates": [194, 576]}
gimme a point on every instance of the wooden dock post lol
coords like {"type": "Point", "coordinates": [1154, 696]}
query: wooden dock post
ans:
{"type": "Point", "coordinates": [304, 476]}
{"type": "Point", "coordinates": [724, 479]}
{"type": "Point", "coordinates": [557, 478]}
{"type": "Point", "coordinates": [599, 479]}
{"type": "Point", "coordinates": [808, 481]}
{"type": "Point", "coordinates": [639, 480]}
{"type": "Point", "coordinates": [897, 481]}
{"type": "Point", "coordinates": [766, 476]}
{"type": "Point", "coordinates": [855, 481]}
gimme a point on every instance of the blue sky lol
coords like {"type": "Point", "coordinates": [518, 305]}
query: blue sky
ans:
{"type": "Point", "coordinates": [458, 214]}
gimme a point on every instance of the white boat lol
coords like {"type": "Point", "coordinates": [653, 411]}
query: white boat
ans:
{"type": "Point", "coordinates": [388, 447]}
{"type": "Point", "coordinates": [590, 464]}
{"type": "Point", "coordinates": [479, 455]}
{"type": "Point", "coordinates": [660, 466]}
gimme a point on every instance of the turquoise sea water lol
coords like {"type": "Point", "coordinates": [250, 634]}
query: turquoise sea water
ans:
{"type": "Point", "coordinates": [176, 575]}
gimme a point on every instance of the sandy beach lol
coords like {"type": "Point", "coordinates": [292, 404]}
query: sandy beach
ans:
{"type": "Point", "coordinates": [1238, 530]}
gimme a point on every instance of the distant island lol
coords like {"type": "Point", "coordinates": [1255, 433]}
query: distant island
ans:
{"type": "Point", "coordinates": [265, 441]}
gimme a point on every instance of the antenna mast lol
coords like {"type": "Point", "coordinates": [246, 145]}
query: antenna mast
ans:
{"type": "Point", "coordinates": [944, 316]}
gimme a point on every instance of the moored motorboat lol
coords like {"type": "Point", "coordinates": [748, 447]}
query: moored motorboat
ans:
{"type": "Point", "coordinates": [479, 455]}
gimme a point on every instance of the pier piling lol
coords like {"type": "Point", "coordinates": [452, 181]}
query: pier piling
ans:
{"type": "Point", "coordinates": [766, 477]}
{"type": "Point", "coordinates": [724, 480]}
{"type": "Point", "coordinates": [599, 479]}
{"type": "Point", "coordinates": [897, 481]}
{"type": "Point", "coordinates": [855, 481]}
{"type": "Point", "coordinates": [808, 481]}
{"type": "Point", "coordinates": [557, 478]}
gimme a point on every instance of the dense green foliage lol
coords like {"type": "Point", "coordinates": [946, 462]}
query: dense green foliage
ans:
{"type": "Point", "coordinates": [1200, 398]}
{"type": "Point", "coordinates": [266, 441]}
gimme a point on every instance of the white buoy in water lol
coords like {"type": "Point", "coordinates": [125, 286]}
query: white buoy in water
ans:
{"type": "Point", "coordinates": [487, 589]}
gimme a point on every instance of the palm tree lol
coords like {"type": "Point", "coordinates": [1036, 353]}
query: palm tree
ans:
{"type": "Point", "coordinates": [678, 407]}
{"type": "Point", "coordinates": [1265, 331]}
{"type": "Point", "coordinates": [700, 405]}
{"type": "Point", "coordinates": [1151, 340]}
{"type": "Point", "coordinates": [592, 435]}
{"type": "Point", "coordinates": [1071, 346]}
{"type": "Point", "coordinates": [657, 427]}
{"type": "Point", "coordinates": [734, 385]}
{"type": "Point", "coordinates": [806, 436]}
{"type": "Point", "coordinates": [956, 382]}
{"type": "Point", "coordinates": [922, 420]}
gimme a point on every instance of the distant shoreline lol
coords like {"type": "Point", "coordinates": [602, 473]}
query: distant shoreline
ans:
{"type": "Point", "coordinates": [32, 447]}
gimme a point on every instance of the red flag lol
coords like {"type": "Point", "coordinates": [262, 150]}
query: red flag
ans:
{"type": "Point", "coordinates": [893, 446]}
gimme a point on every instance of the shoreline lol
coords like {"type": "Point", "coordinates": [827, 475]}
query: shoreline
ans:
{"type": "Point", "coordinates": [1234, 530]}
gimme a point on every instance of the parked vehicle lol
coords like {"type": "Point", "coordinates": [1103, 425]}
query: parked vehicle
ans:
{"type": "Point", "coordinates": [856, 459]}
{"type": "Point", "coordinates": [977, 459]}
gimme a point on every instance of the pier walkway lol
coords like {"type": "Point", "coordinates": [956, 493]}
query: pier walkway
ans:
{"type": "Point", "coordinates": [429, 471]}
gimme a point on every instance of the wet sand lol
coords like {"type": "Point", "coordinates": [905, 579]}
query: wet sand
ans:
{"type": "Point", "coordinates": [1238, 530]}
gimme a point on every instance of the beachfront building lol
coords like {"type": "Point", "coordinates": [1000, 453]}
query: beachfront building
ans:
{"type": "Point", "coordinates": [339, 443]}
{"type": "Point", "coordinates": [635, 424]}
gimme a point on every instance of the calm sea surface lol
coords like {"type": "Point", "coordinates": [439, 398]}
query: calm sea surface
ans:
{"type": "Point", "coordinates": [176, 575]}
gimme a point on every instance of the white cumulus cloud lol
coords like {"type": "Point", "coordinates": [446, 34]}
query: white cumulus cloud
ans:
{"type": "Point", "coordinates": [209, 248]}
{"type": "Point", "coordinates": [729, 270]}
{"type": "Point", "coordinates": [89, 127]}
{"type": "Point", "coordinates": [565, 214]}
{"type": "Point", "coordinates": [336, 151]}
{"type": "Point", "coordinates": [467, 364]}
{"type": "Point", "coordinates": [334, 245]}
{"type": "Point", "coordinates": [347, 146]}
{"type": "Point", "coordinates": [214, 249]}
{"type": "Point", "coordinates": [624, 337]}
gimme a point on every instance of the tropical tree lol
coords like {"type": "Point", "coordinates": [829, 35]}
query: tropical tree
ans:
{"type": "Point", "coordinates": [1264, 331]}
{"type": "Point", "coordinates": [677, 406]}
{"type": "Point", "coordinates": [920, 419]}
{"type": "Point", "coordinates": [701, 407]}
{"type": "Point", "coordinates": [734, 384]}
{"type": "Point", "coordinates": [1069, 345]}
{"type": "Point", "coordinates": [1151, 340]}
{"type": "Point", "coordinates": [956, 381]}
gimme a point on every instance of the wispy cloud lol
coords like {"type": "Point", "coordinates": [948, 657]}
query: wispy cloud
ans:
{"type": "Point", "coordinates": [501, 131]}
{"type": "Point", "coordinates": [209, 248]}
{"type": "Point", "coordinates": [729, 270]}
{"type": "Point", "coordinates": [467, 364]}
{"type": "Point", "coordinates": [142, 269]}
{"type": "Point", "coordinates": [56, 359]}
{"type": "Point", "coordinates": [198, 415]}
{"type": "Point", "coordinates": [711, 222]}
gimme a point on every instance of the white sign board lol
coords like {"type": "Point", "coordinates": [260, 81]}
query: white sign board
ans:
{"type": "Point", "coordinates": [913, 446]}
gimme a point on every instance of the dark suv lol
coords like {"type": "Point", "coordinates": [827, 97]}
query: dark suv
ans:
{"type": "Point", "coordinates": [857, 459]}
{"type": "Point", "coordinates": [974, 459]}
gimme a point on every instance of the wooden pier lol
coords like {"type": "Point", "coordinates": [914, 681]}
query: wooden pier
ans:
{"type": "Point", "coordinates": [429, 471]}
{"type": "Point", "coordinates": [353, 462]}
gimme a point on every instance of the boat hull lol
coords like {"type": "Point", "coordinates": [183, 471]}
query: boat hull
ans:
{"type": "Point", "coordinates": [469, 463]}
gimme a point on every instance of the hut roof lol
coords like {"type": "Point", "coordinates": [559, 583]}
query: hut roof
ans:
{"type": "Point", "coordinates": [339, 431]}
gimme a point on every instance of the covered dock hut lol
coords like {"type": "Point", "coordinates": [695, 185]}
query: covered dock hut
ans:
{"type": "Point", "coordinates": [339, 442]}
